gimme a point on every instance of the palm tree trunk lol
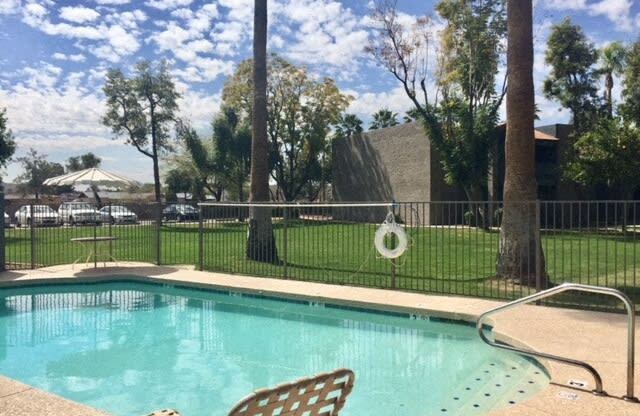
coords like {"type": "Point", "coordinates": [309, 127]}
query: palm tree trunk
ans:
{"type": "Point", "coordinates": [261, 245]}
{"type": "Point", "coordinates": [609, 86]}
{"type": "Point", "coordinates": [519, 234]}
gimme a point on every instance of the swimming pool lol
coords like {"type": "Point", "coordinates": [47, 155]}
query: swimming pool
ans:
{"type": "Point", "coordinates": [129, 348]}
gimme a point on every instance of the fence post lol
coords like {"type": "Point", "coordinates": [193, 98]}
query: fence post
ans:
{"type": "Point", "coordinates": [95, 242]}
{"type": "Point", "coordinates": [3, 265]}
{"type": "Point", "coordinates": [158, 232]}
{"type": "Point", "coordinates": [200, 238]}
{"type": "Point", "coordinates": [110, 232]}
{"type": "Point", "coordinates": [285, 244]}
{"type": "Point", "coordinates": [393, 244]}
{"type": "Point", "coordinates": [32, 231]}
{"type": "Point", "coordinates": [538, 242]}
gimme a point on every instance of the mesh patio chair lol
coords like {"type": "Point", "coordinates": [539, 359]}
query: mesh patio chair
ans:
{"type": "Point", "coordinates": [321, 395]}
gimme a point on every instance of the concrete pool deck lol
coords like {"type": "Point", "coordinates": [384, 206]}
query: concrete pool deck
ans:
{"type": "Point", "coordinates": [595, 337]}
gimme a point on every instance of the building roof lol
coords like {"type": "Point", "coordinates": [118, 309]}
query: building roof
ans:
{"type": "Point", "coordinates": [540, 135]}
{"type": "Point", "coordinates": [410, 128]}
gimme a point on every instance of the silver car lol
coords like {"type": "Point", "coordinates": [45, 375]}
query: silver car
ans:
{"type": "Point", "coordinates": [79, 213]}
{"type": "Point", "coordinates": [118, 214]}
{"type": "Point", "coordinates": [40, 216]}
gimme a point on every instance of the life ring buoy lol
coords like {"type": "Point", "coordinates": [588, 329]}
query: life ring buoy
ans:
{"type": "Point", "coordinates": [398, 231]}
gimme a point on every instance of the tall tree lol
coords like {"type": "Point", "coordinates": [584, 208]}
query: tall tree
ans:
{"type": "Point", "coordinates": [261, 243]}
{"type": "Point", "coordinates": [608, 154]}
{"type": "Point", "coordinates": [411, 116]}
{"type": "Point", "coordinates": [85, 161]}
{"type": "Point", "coordinates": [573, 76]}
{"type": "Point", "coordinates": [143, 109]}
{"type": "Point", "coordinates": [232, 143]}
{"type": "Point", "coordinates": [181, 180]}
{"type": "Point", "coordinates": [630, 107]}
{"type": "Point", "coordinates": [301, 111]}
{"type": "Point", "coordinates": [36, 169]}
{"type": "Point", "coordinates": [519, 246]}
{"type": "Point", "coordinates": [226, 164]}
{"type": "Point", "coordinates": [612, 59]}
{"type": "Point", "coordinates": [383, 118]}
{"type": "Point", "coordinates": [7, 142]}
{"type": "Point", "coordinates": [460, 111]}
{"type": "Point", "coordinates": [348, 126]}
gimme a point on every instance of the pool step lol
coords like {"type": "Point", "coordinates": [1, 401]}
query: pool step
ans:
{"type": "Point", "coordinates": [492, 386]}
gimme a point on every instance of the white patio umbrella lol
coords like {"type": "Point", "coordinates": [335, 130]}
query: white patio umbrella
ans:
{"type": "Point", "coordinates": [93, 177]}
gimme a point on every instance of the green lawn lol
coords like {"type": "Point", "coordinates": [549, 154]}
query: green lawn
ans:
{"type": "Point", "coordinates": [439, 259]}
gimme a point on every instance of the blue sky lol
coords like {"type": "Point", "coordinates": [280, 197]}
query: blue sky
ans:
{"type": "Point", "coordinates": [55, 55]}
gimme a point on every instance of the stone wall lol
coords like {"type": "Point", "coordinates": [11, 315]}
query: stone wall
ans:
{"type": "Point", "coordinates": [392, 164]}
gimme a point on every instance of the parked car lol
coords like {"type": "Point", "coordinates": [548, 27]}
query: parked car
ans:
{"type": "Point", "coordinates": [118, 214]}
{"type": "Point", "coordinates": [7, 220]}
{"type": "Point", "coordinates": [42, 215]}
{"type": "Point", "coordinates": [180, 213]}
{"type": "Point", "coordinates": [79, 213]}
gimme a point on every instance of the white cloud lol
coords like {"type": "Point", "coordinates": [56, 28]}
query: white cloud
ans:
{"type": "Point", "coordinates": [34, 11]}
{"type": "Point", "coordinates": [326, 33]}
{"type": "Point", "coordinates": [79, 14]}
{"type": "Point", "coordinates": [46, 117]}
{"type": "Point", "coordinates": [617, 11]}
{"type": "Point", "coordinates": [117, 36]}
{"type": "Point", "coordinates": [189, 51]}
{"type": "Point", "coordinates": [167, 4]}
{"type": "Point", "coordinates": [367, 103]}
{"type": "Point", "coordinates": [35, 15]}
{"type": "Point", "coordinates": [183, 13]}
{"type": "Point", "coordinates": [565, 4]}
{"type": "Point", "coordinates": [45, 76]}
{"type": "Point", "coordinates": [9, 6]}
{"type": "Point", "coordinates": [112, 2]}
{"type": "Point", "coordinates": [171, 38]}
{"type": "Point", "coordinates": [189, 43]}
{"type": "Point", "coordinates": [128, 19]}
{"type": "Point", "coordinates": [199, 108]}
{"type": "Point", "coordinates": [241, 10]}
{"type": "Point", "coordinates": [202, 19]}
{"type": "Point", "coordinates": [204, 69]}
{"type": "Point", "coordinates": [229, 35]}
{"type": "Point", "coordinates": [71, 57]}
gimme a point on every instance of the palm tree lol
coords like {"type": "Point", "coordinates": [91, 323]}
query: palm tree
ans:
{"type": "Point", "coordinates": [261, 245]}
{"type": "Point", "coordinates": [348, 126]}
{"type": "Point", "coordinates": [612, 59]}
{"type": "Point", "coordinates": [519, 236]}
{"type": "Point", "coordinates": [384, 118]}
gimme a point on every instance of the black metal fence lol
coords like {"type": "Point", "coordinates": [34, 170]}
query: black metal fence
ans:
{"type": "Point", "coordinates": [452, 246]}
{"type": "Point", "coordinates": [40, 235]}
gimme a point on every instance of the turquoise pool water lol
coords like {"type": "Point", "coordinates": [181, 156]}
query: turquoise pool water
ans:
{"type": "Point", "coordinates": [130, 348]}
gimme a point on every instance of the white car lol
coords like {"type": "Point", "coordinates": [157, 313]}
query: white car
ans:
{"type": "Point", "coordinates": [79, 213]}
{"type": "Point", "coordinates": [118, 214]}
{"type": "Point", "coordinates": [42, 215]}
{"type": "Point", "coordinates": [7, 220]}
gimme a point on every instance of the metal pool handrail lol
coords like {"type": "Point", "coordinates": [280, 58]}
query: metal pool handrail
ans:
{"type": "Point", "coordinates": [631, 323]}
